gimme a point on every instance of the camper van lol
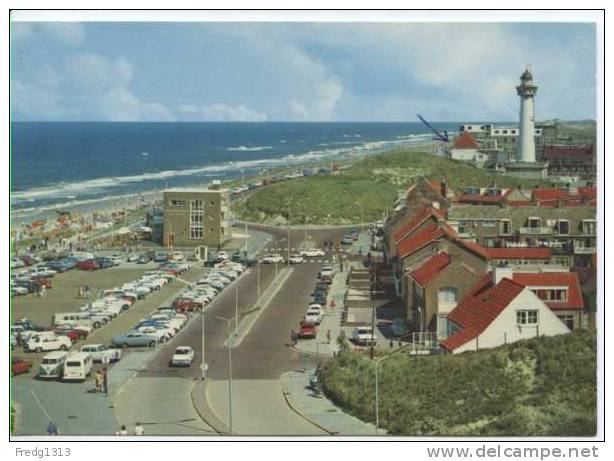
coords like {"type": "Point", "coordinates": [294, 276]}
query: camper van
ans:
{"type": "Point", "coordinates": [52, 365]}
{"type": "Point", "coordinates": [74, 318]}
{"type": "Point", "coordinates": [78, 367]}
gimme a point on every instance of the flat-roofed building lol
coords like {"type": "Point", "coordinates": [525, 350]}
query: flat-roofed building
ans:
{"type": "Point", "coordinates": [196, 217]}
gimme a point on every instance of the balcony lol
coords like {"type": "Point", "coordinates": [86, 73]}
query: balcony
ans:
{"type": "Point", "coordinates": [540, 230]}
{"type": "Point", "coordinates": [584, 250]}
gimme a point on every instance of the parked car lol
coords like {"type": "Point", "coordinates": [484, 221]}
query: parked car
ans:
{"type": "Point", "coordinates": [221, 256]}
{"type": "Point", "coordinates": [272, 259]}
{"type": "Point", "coordinates": [88, 265]}
{"type": "Point", "coordinates": [27, 324]}
{"type": "Point", "coordinates": [160, 256]}
{"type": "Point", "coordinates": [296, 259]}
{"type": "Point", "coordinates": [102, 353]}
{"type": "Point", "coordinates": [363, 336]}
{"type": "Point", "coordinates": [133, 257]}
{"type": "Point", "coordinates": [77, 367]}
{"type": "Point", "coordinates": [347, 239]}
{"type": "Point", "coordinates": [134, 338]}
{"type": "Point", "coordinates": [104, 262]}
{"type": "Point", "coordinates": [312, 318]}
{"type": "Point", "coordinates": [143, 259]}
{"type": "Point", "coordinates": [183, 356]}
{"type": "Point", "coordinates": [20, 366]}
{"type": "Point", "coordinates": [52, 365]}
{"type": "Point", "coordinates": [307, 331]}
{"type": "Point", "coordinates": [186, 305]}
{"type": "Point", "coordinates": [47, 341]}
{"type": "Point", "coordinates": [74, 334]}
{"type": "Point", "coordinates": [312, 252]}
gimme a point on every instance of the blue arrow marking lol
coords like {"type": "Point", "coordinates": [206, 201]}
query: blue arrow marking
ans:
{"type": "Point", "coordinates": [438, 136]}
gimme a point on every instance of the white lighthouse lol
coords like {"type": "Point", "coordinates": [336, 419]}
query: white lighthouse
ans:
{"type": "Point", "coordinates": [526, 142]}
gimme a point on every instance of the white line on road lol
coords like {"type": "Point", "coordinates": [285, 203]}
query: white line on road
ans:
{"type": "Point", "coordinates": [40, 405]}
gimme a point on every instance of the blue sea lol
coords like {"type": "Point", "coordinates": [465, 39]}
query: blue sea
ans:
{"type": "Point", "coordinates": [65, 164]}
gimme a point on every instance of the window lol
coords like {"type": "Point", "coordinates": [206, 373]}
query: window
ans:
{"type": "Point", "coordinates": [175, 203]}
{"type": "Point", "coordinates": [196, 219]}
{"type": "Point", "coordinates": [563, 226]}
{"type": "Point", "coordinates": [588, 226]}
{"type": "Point", "coordinates": [535, 223]}
{"type": "Point", "coordinates": [442, 327]}
{"type": "Point", "coordinates": [526, 317]}
{"type": "Point", "coordinates": [489, 223]}
{"type": "Point", "coordinates": [506, 227]}
{"type": "Point", "coordinates": [448, 295]}
{"type": "Point", "coordinates": [567, 319]}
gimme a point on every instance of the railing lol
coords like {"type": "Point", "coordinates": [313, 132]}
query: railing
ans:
{"type": "Point", "coordinates": [536, 230]}
{"type": "Point", "coordinates": [423, 342]}
{"type": "Point", "coordinates": [584, 250]}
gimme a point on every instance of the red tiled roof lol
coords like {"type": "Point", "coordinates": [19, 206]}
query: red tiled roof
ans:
{"type": "Point", "coordinates": [431, 268]}
{"type": "Point", "coordinates": [414, 242]}
{"type": "Point", "coordinates": [545, 279]}
{"type": "Point", "coordinates": [549, 194]}
{"type": "Point", "coordinates": [479, 198]}
{"type": "Point", "coordinates": [418, 218]}
{"type": "Point", "coordinates": [478, 309]}
{"type": "Point", "coordinates": [432, 232]}
{"type": "Point", "coordinates": [465, 141]}
{"type": "Point", "coordinates": [519, 253]}
{"type": "Point", "coordinates": [556, 152]}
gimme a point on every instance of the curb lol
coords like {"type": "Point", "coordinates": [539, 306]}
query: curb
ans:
{"type": "Point", "coordinates": [211, 419]}
{"type": "Point", "coordinates": [285, 393]}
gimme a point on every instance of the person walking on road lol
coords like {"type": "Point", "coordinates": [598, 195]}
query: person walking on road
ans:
{"type": "Point", "coordinates": [105, 381]}
{"type": "Point", "coordinates": [293, 337]}
{"type": "Point", "coordinates": [52, 429]}
{"type": "Point", "coordinates": [328, 337]}
{"type": "Point", "coordinates": [98, 380]}
{"type": "Point", "coordinates": [122, 431]}
{"type": "Point", "coordinates": [138, 429]}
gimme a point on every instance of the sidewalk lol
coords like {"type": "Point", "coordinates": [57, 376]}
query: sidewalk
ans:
{"type": "Point", "coordinates": [320, 411]}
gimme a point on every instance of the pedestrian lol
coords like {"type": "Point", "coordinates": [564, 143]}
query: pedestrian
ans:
{"type": "Point", "coordinates": [43, 291]}
{"type": "Point", "coordinates": [293, 337]}
{"type": "Point", "coordinates": [105, 381]}
{"type": "Point", "coordinates": [52, 429]}
{"type": "Point", "coordinates": [138, 429]}
{"type": "Point", "coordinates": [122, 431]}
{"type": "Point", "coordinates": [328, 336]}
{"type": "Point", "coordinates": [98, 380]}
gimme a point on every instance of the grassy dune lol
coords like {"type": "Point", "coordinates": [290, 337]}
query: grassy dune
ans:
{"type": "Point", "coordinates": [370, 185]}
{"type": "Point", "coordinates": [539, 387]}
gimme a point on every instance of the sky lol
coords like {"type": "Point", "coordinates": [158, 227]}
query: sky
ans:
{"type": "Point", "coordinates": [298, 71]}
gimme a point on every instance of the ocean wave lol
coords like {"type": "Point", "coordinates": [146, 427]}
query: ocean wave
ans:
{"type": "Point", "coordinates": [71, 191]}
{"type": "Point", "coordinates": [249, 148]}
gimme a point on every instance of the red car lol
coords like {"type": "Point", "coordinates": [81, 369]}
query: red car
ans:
{"type": "Point", "coordinates": [42, 281]}
{"type": "Point", "coordinates": [75, 334]}
{"type": "Point", "coordinates": [88, 265]}
{"type": "Point", "coordinates": [307, 331]}
{"type": "Point", "coordinates": [186, 304]}
{"type": "Point", "coordinates": [20, 366]}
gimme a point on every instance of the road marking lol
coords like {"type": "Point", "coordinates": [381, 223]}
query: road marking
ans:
{"type": "Point", "coordinates": [275, 285]}
{"type": "Point", "coordinates": [40, 405]}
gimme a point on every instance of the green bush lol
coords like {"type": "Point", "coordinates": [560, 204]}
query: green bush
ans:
{"type": "Point", "coordinates": [540, 387]}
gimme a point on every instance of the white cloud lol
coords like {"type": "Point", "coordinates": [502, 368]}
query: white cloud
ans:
{"type": "Point", "coordinates": [225, 113]}
{"type": "Point", "coordinates": [90, 87]}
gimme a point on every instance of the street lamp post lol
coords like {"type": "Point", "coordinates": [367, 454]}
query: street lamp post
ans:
{"type": "Point", "coordinates": [377, 362]}
{"type": "Point", "coordinates": [362, 216]}
{"type": "Point", "coordinates": [202, 314]}
{"type": "Point", "coordinates": [229, 345]}
{"type": "Point", "coordinates": [258, 271]}
{"type": "Point", "coordinates": [236, 308]}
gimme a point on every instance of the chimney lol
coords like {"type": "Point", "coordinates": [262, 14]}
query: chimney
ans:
{"type": "Point", "coordinates": [500, 272]}
{"type": "Point", "coordinates": [435, 205]}
{"type": "Point", "coordinates": [443, 188]}
{"type": "Point", "coordinates": [215, 184]}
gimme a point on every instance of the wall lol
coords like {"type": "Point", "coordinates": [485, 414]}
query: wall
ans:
{"type": "Point", "coordinates": [504, 328]}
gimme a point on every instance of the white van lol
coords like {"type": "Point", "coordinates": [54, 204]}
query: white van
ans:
{"type": "Point", "coordinates": [78, 366]}
{"type": "Point", "coordinates": [47, 341]}
{"type": "Point", "coordinates": [52, 365]}
{"type": "Point", "coordinates": [73, 318]}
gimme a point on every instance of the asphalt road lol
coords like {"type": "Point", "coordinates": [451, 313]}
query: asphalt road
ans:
{"type": "Point", "coordinates": [264, 353]}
